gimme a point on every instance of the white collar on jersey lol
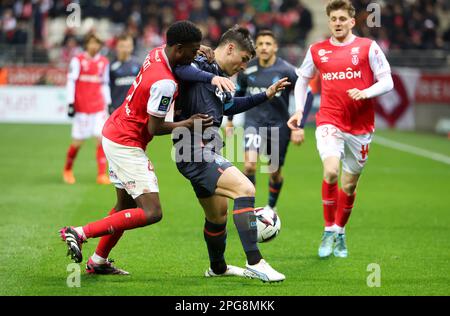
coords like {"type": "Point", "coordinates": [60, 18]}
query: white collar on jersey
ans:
{"type": "Point", "coordinates": [336, 43]}
{"type": "Point", "coordinates": [165, 58]}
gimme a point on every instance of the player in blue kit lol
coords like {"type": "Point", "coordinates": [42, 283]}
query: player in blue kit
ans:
{"type": "Point", "coordinates": [214, 178]}
{"type": "Point", "coordinates": [266, 130]}
{"type": "Point", "coordinates": [122, 72]}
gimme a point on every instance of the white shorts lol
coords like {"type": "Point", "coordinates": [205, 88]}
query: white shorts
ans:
{"type": "Point", "coordinates": [352, 150]}
{"type": "Point", "coordinates": [87, 125]}
{"type": "Point", "coordinates": [130, 169]}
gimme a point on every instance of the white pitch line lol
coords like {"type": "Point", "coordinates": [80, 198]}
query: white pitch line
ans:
{"type": "Point", "coordinates": [412, 149]}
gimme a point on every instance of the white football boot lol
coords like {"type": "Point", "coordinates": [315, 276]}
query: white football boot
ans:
{"type": "Point", "coordinates": [231, 271]}
{"type": "Point", "coordinates": [263, 271]}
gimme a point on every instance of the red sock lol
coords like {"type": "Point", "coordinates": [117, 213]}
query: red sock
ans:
{"type": "Point", "coordinates": [124, 220]}
{"type": "Point", "coordinates": [71, 155]}
{"type": "Point", "coordinates": [345, 206]}
{"type": "Point", "coordinates": [329, 200]}
{"type": "Point", "coordinates": [101, 160]}
{"type": "Point", "coordinates": [108, 242]}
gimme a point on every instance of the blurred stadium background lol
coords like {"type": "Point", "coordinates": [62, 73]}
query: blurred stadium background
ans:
{"type": "Point", "coordinates": [36, 45]}
{"type": "Point", "coordinates": [402, 213]}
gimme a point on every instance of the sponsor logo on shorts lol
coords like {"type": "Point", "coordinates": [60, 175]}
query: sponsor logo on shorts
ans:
{"type": "Point", "coordinates": [130, 185]}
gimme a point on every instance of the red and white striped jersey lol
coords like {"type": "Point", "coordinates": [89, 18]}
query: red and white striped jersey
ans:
{"type": "Point", "coordinates": [355, 64]}
{"type": "Point", "coordinates": [88, 83]}
{"type": "Point", "coordinates": [152, 93]}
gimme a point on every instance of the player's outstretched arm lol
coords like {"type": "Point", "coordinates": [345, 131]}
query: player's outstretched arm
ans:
{"type": "Point", "coordinates": [242, 104]}
{"type": "Point", "coordinates": [278, 86]}
{"type": "Point", "coordinates": [158, 126]}
{"type": "Point", "coordinates": [194, 74]}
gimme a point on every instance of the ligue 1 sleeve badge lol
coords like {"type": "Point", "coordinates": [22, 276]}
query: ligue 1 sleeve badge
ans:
{"type": "Point", "coordinates": [164, 104]}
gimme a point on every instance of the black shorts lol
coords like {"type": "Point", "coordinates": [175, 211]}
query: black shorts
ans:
{"type": "Point", "coordinates": [204, 175]}
{"type": "Point", "coordinates": [270, 141]}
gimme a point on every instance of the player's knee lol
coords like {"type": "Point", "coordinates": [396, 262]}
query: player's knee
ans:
{"type": "Point", "coordinates": [331, 175]}
{"type": "Point", "coordinates": [154, 214]}
{"type": "Point", "coordinates": [246, 189]}
{"type": "Point", "coordinates": [219, 218]}
{"type": "Point", "coordinates": [250, 168]}
{"type": "Point", "coordinates": [349, 188]}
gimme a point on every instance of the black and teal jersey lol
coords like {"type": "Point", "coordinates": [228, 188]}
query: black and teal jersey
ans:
{"type": "Point", "coordinates": [256, 79]}
{"type": "Point", "coordinates": [201, 97]}
{"type": "Point", "coordinates": [122, 75]}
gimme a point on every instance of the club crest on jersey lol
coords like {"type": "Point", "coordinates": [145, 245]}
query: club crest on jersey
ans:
{"type": "Point", "coordinates": [355, 60]}
{"type": "Point", "coordinates": [224, 96]}
{"type": "Point", "coordinates": [164, 104]}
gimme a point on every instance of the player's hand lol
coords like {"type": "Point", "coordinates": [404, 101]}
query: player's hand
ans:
{"type": "Point", "coordinates": [223, 83]}
{"type": "Point", "coordinates": [204, 119]}
{"type": "Point", "coordinates": [295, 120]}
{"type": "Point", "coordinates": [229, 128]}
{"type": "Point", "coordinates": [280, 85]}
{"type": "Point", "coordinates": [207, 52]}
{"type": "Point", "coordinates": [357, 94]}
{"type": "Point", "coordinates": [71, 110]}
{"type": "Point", "coordinates": [298, 136]}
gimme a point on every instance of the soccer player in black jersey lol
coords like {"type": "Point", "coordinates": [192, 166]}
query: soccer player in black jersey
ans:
{"type": "Point", "coordinates": [214, 178]}
{"type": "Point", "coordinates": [266, 130]}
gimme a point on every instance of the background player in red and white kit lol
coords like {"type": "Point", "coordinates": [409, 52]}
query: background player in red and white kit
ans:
{"type": "Point", "coordinates": [88, 95]}
{"type": "Point", "coordinates": [125, 137]}
{"type": "Point", "coordinates": [352, 70]}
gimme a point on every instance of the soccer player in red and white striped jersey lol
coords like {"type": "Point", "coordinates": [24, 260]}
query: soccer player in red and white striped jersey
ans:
{"type": "Point", "coordinates": [353, 70]}
{"type": "Point", "coordinates": [88, 95]}
{"type": "Point", "coordinates": [125, 137]}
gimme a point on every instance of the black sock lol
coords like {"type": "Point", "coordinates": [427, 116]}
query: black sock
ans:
{"type": "Point", "coordinates": [245, 221]}
{"type": "Point", "coordinates": [216, 238]}
{"type": "Point", "coordinates": [252, 178]}
{"type": "Point", "coordinates": [274, 192]}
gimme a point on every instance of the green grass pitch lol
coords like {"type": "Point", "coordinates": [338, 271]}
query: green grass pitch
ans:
{"type": "Point", "coordinates": [401, 222]}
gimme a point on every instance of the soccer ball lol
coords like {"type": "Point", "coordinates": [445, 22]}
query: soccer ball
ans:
{"type": "Point", "coordinates": [268, 224]}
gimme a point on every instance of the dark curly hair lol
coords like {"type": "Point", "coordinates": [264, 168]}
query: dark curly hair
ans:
{"type": "Point", "coordinates": [183, 32]}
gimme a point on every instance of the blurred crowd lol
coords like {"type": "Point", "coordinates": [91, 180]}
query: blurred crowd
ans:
{"type": "Point", "coordinates": [406, 24]}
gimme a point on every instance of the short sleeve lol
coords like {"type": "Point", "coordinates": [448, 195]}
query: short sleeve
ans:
{"type": "Point", "coordinates": [161, 97]}
{"type": "Point", "coordinates": [307, 69]}
{"type": "Point", "coordinates": [378, 62]}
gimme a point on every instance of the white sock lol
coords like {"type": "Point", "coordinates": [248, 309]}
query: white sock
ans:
{"type": "Point", "coordinates": [97, 259]}
{"type": "Point", "coordinates": [80, 231]}
{"type": "Point", "coordinates": [338, 229]}
{"type": "Point", "coordinates": [329, 228]}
